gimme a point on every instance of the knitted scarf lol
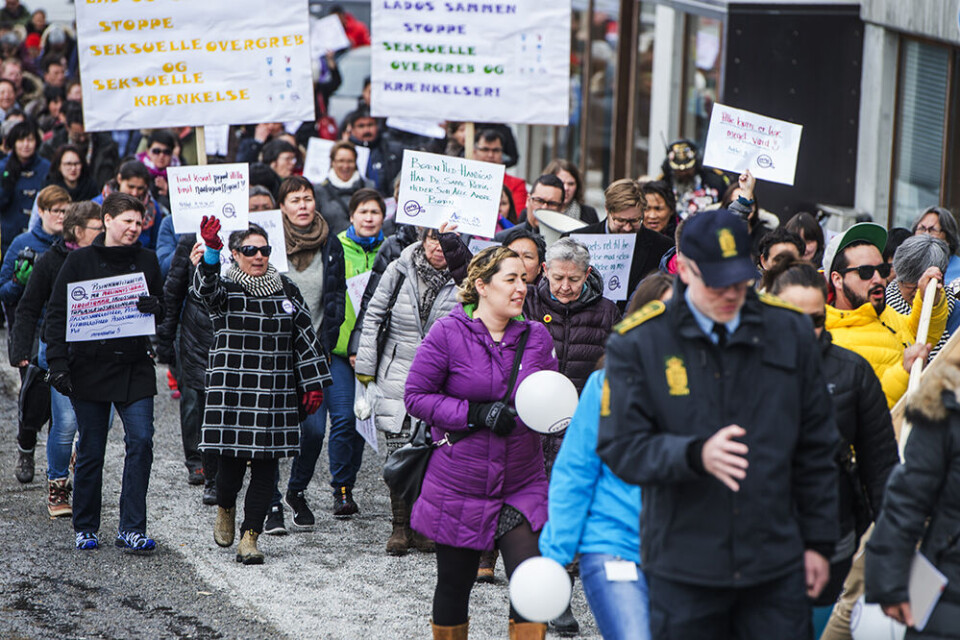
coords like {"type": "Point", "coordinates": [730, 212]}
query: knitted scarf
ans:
{"type": "Point", "coordinates": [257, 286]}
{"type": "Point", "coordinates": [574, 210]}
{"type": "Point", "coordinates": [433, 278]}
{"type": "Point", "coordinates": [342, 184]}
{"type": "Point", "coordinates": [303, 244]}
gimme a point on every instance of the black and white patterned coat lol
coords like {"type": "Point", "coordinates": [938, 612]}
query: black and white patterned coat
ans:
{"type": "Point", "coordinates": [265, 356]}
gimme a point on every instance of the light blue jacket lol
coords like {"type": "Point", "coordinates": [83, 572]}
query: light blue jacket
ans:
{"type": "Point", "coordinates": [590, 509]}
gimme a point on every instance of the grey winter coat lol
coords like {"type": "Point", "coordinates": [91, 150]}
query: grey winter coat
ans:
{"type": "Point", "coordinates": [406, 333]}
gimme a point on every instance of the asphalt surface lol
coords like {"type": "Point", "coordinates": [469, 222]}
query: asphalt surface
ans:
{"type": "Point", "coordinates": [334, 582]}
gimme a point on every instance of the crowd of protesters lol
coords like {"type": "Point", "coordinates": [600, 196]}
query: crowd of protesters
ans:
{"type": "Point", "coordinates": [732, 467]}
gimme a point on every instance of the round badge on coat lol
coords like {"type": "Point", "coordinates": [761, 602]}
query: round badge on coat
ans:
{"type": "Point", "coordinates": [287, 306]}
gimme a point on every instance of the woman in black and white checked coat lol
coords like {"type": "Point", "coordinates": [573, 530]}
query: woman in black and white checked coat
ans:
{"type": "Point", "coordinates": [265, 367]}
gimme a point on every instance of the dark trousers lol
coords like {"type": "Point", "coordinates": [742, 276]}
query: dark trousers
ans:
{"type": "Point", "coordinates": [192, 404]}
{"type": "Point", "coordinates": [230, 480]}
{"type": "Point", "coordinates": [93, 424]}
{"type": "Point", "coordinates": [457, 572]}
{"type": "Point", "coordinates": [776, 609]}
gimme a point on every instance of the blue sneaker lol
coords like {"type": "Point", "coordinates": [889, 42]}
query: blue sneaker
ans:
{"type": "Point", "coordinates": [87, 540]}
{"type": "Point", "coordinates": [133, 542]}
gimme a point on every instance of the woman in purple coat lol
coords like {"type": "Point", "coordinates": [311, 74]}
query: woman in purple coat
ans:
{"type": "Point", "coordinates": [487, 490]}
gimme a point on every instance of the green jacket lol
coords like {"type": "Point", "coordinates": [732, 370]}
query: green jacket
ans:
{"type": "Point", "coordinates": [356, 261]}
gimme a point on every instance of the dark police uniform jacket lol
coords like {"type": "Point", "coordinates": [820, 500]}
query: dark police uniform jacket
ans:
{"type": "Point", "coordinates": [669, 388]}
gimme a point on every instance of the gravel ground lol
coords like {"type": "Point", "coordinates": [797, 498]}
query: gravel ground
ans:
{"type": "Point", "coordinates": [335, 582]}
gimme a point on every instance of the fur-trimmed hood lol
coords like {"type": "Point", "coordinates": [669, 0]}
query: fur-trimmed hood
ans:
{"type": "Point", "coordinates": [937, 393]}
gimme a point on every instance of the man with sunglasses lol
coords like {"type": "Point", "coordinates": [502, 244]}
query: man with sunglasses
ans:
{"type": "Point", "coordinates": [716, 405]}
{"type": "Point", "coordinates": [859, 318]}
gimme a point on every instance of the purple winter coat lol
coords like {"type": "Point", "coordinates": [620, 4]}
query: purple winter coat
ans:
{"type": "Point", "coordinates": [467, 484]}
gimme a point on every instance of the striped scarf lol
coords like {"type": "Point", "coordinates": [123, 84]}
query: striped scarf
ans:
{"type": "Point", "coordinates": [257, 286]}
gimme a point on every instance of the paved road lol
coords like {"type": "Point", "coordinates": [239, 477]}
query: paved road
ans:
{"type": "Point", "coordinates": [335, 582]}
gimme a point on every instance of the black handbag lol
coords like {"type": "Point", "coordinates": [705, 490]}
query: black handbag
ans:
{"type": "Point", "coordinates": [404, 469]}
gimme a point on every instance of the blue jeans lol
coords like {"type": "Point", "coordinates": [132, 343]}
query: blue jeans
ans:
{"type": "Point", "coordinates": [621, 609]}
{"type": "Point", "coordinates": [63, 427]}
{"type": "Point", "coordinates": [93, 419]}
{"type": "Point", "coordinates": [346, 444]}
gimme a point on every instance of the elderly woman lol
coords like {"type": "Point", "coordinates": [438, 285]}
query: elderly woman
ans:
{"type": "Point", "coordinates": [414, 292]}
{"type": "Point", "coordinates": [940, 223]}
{"type": "Point", "coordinates": [917, 254]}
{"type": "Point", "coordinates": [265, 364]}
{"type": "Point", "coordinates": [573, 189]}
{"type": "Point", "coordinates": [342, 181]}
{"type": "Point", "coordinates": [488, 488]}
{"type": "Point", "coordinates": [317, 268]}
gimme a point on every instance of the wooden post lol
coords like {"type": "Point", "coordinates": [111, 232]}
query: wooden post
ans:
{"type": "Point", "coordinates": [201, 139]}
{"type": "Point", "coordinates": [468, 137]}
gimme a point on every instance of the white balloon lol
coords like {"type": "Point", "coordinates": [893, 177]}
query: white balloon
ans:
{"type": "Point", "coordinates": [869, 622]}
{"type": "Point", "coordinates": [540, 589]}
{"type": "Point", "coordinates": [546, 401]}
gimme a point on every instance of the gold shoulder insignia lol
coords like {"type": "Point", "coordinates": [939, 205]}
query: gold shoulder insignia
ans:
{"type": "Point", "coordinates": [638, 317]}
{"type": "Point", "coordinates": [774, 301]}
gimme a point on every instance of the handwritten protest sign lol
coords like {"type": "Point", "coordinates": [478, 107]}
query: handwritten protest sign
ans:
{"type": "Point", "coordinates": [165, 64]}
{"type": "Point", "coordinates": [217, 189]}
{"type": "Point", "coordinates": [327, 34]}
{"type": "Point", "coordinates": [435, 189]}
{"type": "Point", "coordinates": [316, 165]}
{"type": "Point", "coordinates": [486, 62]}
{"type": "Point", "coordinates": [271, 222]}
{"type": "Point", "coordinates": [611, 254]}
{"type": "Point", "coordinates": [739, 140]}
{"type": "Point", "coordinates": [107, 308]}
{"type": "Point", "coordinates": [355, 288]}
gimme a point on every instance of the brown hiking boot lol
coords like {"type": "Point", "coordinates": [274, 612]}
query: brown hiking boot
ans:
{"type": "Point", "coordinates": [459, 632]}
{"type": "Point", "coordinates": [247, 551]}
{"type": "Point", "coordinates": [58, 498]}
{"type": "Point", "coordinates": [527, 630]}
{"type": "Point", "coordinates": [420, 542]}
{"type": "Point", "coordinates": [398, 542]}
{"type": "Point", "coordinates": [488, 563]}
{"type": "Point", "coordinates": [225, 527]}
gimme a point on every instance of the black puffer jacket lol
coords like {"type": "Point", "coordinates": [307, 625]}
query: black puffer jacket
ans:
{"type": "Point", "coordinates": [34, 299]}
{"type": "Point", "coordinates": [184, 310]}
{"type": "Point", "coordinates": [579, 329]}
{"type": "Point", "coordinates": [926, 487]}
{"type": "Point", "coordinates": [391, 249]}
{"type": "Point", "coordinates": [864, 422]}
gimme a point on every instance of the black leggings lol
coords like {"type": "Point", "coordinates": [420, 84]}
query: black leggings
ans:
{"type": "Point", "coordinates": [457, 571]}
{"type": "Point", "coordinates": [259, 492]}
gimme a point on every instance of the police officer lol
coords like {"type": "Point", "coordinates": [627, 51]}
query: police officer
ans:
{"type": "Point", "coordinates": [716, 405]}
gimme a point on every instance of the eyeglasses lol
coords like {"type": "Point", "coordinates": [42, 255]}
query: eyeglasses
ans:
{"type": "Point", "coordinates": [250, 250]}
{"type": "Point", "coordinates": [929, 230]}
{"type": "Point", "coordinates": [626, 222]}
{"type": "Point", "coordinates": [98, 228]}
{"type": "Point", "coordinates": [161, 151]}
{"type": "Point", "coordinates": [489, 149]}
{"type": "Point", "coordinates": [59, 212]}
{"type": "Point", "coordinates": [819, 319]}
{"type": "Point", "coordinates": [547, 204]}
{"type": "Point", "coordinates": [866, 271]}
{"type": "Point", "coordinates": [71, 164]}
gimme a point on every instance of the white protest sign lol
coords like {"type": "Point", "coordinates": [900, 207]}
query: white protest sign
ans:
{"type": "Point", "coordinates": [107, 308]}
{"type": "Point", "coordinates": [739, 140]}
{"type": "Point", "coordinates": [476, 245]}
{"type": "Point", "coordinates": [168, 64]}
{"type": "Point", "coordinates": [327, 34]}
{"type": "Point", "coordinates": [611, 254]}
{"type": "Point", "coordinates": [271, 222]}
{"type": "Point", "coordinates": [367, 428]}
{"type": "Point", "coordinates": [420, 126]}
{"type": "Point", "coordinates": [472, 61]}
{"type": "Point", "coordinates": [435, 189]}
{"type": "Point", "coordinates": [355, 288]}
{"type": "Point", "coordinates": [316, 164]}
{"type": "Point", "coordinates": [221, 190]}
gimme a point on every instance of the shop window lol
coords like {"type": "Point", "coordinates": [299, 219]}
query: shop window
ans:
{"type": "Point", "coordinates": [703, 62]}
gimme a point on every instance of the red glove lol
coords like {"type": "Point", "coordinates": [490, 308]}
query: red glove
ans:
{"type": "Point", "coordinates": [209, 228]}
{"type": "Point", "coordinates": [311, 401]}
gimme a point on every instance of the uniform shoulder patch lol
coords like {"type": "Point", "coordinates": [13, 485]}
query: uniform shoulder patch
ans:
{"type": "Point", "coordinates": [774, 301]}
{"type": "Point", "coordinates": [641, 315]}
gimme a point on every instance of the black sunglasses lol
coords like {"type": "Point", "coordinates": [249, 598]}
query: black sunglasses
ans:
{"type": "Point", "coordinates": [249, 250]}
{"type": "Point", "coordinates": [866, 271]}
{"type": "Point", "coordinates": [161, 151]}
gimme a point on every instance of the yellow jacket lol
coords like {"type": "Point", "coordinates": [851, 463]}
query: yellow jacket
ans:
{"type": "Point", "coordinates": [881, 340]}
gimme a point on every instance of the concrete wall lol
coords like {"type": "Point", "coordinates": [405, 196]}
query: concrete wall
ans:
{"type": "Point", "coordinates": [936, 19]}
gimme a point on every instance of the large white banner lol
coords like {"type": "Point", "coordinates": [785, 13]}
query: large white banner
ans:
{"type": "Point", "coordinates": [479, 61]}
{"type": "Point", "coordinates": [168, 63]}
